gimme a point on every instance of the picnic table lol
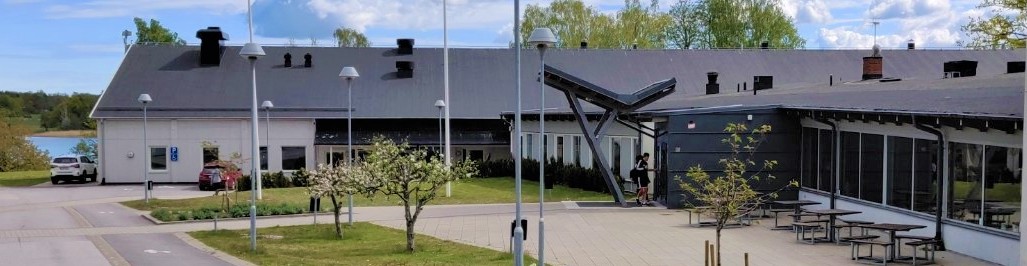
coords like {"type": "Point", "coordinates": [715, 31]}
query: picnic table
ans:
{"type": "Point", "coordinates": [891, 229]}
{"type": "Point", "coordinates": [832, 214]}
{"type": "Point", "coordinates": [797, 204]}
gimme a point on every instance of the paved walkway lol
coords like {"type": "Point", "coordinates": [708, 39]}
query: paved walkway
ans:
{"type": "Point", "coordinates": [575, 236]}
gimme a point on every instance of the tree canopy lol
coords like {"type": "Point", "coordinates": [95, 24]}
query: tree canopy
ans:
{"type": "Point", "coordinates": [1007, 26]}
{"type": "Point", "coordinates": [346, 37]}
{"type": "Point", "coordinates": [731, 24]}
{"type": "Point", "coordinates": [16, 152]}
{"type": "Point", "coordinates": [154, 32]}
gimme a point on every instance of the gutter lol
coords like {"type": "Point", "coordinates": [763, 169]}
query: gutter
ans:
{"type": "Point", "coordinates": [834, 159]}
{"type": "Point", "coordinates": [941, 166]}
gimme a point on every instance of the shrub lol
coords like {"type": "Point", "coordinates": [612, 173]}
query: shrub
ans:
{"type": "Point", "coordinates": [300, 178]}
{"type": "Point", "coordinates": [496, 168]}
{"type": "Point", "coordinates": [185, 215]}
{"type": "Point", "coordinates": [161, 214]}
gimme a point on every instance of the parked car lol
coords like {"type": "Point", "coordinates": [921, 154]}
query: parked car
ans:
{"type": "Point", "coordinates": [218, 171]}
{"type": "Point", "coordinates": [72, 167]}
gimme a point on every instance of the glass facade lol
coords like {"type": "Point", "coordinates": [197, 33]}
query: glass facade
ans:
{"type": "Point", "coordinates": [294, 158]}
{"type": "Point", "coordinates": [850, 178]}
{"type": "Point", "coordinates": [826, 164]}
{"type": "Point", "coordinates": [900, 171]}
{"type": "Point", "coordinates": [872, 158]}
{"type": "Point", "coordinates": [925, 175]}
{"type": "Point", "coordinates": [809, 153]}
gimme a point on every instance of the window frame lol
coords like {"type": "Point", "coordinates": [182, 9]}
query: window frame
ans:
{"type": "Point", "coordinates": [149, 159]}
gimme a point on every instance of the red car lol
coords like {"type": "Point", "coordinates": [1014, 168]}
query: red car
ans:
{"type": "Point", "coordinates": [219, 170]}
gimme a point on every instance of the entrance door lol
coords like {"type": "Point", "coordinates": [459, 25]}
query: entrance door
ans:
{"type": "Point", "coordinates": [661, 181]}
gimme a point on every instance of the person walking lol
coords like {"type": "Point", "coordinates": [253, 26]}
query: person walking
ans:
{"type": "Point", "coordinates": [641, 178]}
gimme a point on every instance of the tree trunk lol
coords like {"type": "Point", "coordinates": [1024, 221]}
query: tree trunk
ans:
{"type": "Point", "coordinates": [336, 208]}
{"type": "Point", "coordinates": [410, 236]}
{"type": "Point", "coordinates": [717, 247]}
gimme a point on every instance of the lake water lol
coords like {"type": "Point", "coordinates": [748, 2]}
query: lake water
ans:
{"type": "Point", "coordinates": [55, 146]}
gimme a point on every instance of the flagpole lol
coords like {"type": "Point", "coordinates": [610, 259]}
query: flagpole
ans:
{"type": "Point", "coordinates": [445, 85]}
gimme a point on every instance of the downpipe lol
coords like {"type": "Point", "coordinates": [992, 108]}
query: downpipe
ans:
{"type": "Point", "coordinates": [941, 166]}
{"type": "Point", "coordinates": [834, 158]}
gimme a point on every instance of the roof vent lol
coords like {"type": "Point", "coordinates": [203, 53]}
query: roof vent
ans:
{"type": "Point", "coordinates": [1015, 67]}
{"type": "Point", "coordinates": [307, 58]}
{"type": "Point", "coordinates": [406, 46]}
{"type": "Point", "coordinates": [712, 87]}
{"type": "Point", "coordinates": [584, 44]}
{"type": "Point", "coordinates": [212, 43]}
{"type": "Point", "coordinates": [764, 45]}
{"type": "Point", "coordinates": [910, 45]}
{"type": "Point", "coordinates": [404, 69]}
{"type": "Point", "coordinates": [762, 83]}
{"type": "Point", "coordinates": [288, 60]}
{"type": "Point", "coordinates": [962, 68]}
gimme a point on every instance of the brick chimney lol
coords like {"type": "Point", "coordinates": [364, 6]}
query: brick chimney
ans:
{"type": "Point", "coordinates": [873, 65]}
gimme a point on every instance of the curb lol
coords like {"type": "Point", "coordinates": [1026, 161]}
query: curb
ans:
{"type": "Point", "coordinates": [213, 252]}
{"type": "Point", "coordinates": [156, 221]}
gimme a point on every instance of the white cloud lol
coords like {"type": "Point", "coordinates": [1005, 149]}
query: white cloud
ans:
{"type": "Point", "coordinates": [889, 9]}
{"type": "Point", "coordinates": [807, 11]}
{"type": "Point", "coordinates": [122, 8]}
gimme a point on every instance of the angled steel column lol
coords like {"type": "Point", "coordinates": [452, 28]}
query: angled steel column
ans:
{"type": "Point", "coordinates": [597, 152]}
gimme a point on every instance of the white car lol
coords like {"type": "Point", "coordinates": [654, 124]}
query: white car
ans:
{"type": "Point", "coordinates": [68, 167]}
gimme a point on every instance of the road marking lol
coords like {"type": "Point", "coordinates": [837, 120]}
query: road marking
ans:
{"type": "Point", "coordinates": [151, 251]}
{"type": "Point", "coordinates": [106, 212]}
{"type": "Point", "coordinates": [213, 252]}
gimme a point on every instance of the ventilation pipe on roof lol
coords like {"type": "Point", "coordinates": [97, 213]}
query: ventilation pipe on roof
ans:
{"type": "Point", "coordinates": [762, 83]}
{"type": "Point", "coordinates": [712, 87]}
{"type": "Point", "coordinates": [834, 159]}
{"type": "Point", "coordinates": [212, 43]}
{"type": "Point", "coordinates": [406, 46]}
{"type": "Point", "coordinates": [941, 165]}
{"type": "Point", "coordinates": [910, 45]}
{"type": "Point", "coordinates": [584, 44]}
{"type": "Point", "coordinates": [288, 60]}
{"type": "Point", "coordinates": [764, 45]}
{"type": "Point", "coordinates": [1015, 67]}
{"type": "Point", "coordinates": [307, 58]}
{"type": "Point", "coordinates": [404, 69]}
{"type": "Point", "coordinates": [634, 46]}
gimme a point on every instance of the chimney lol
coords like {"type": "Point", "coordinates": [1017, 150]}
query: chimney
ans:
{"type": "Point", "coordinates": [406, 46]}
{"type": "Point", "coordinates": [307, 60]}
{"type": "Point", "coordinates": [584, 44]}
{"type": "Point", "coordinates": [873, 65]}
{"type": "Point", "coordinates": [404, 69]}
{"type": "Point", "coordinates": [1015, 67]}
{"type": "Point", "coordinates": [212, 44]}
{"type": "Point", "coordinates": [910, 45]}
{"type": "Point", "coordinates": [764, 45]}
{"type": "Point", "coordinates": [762, 83]}
{"type": "Point", "coordinates": [288, 60]}
{"type": "Point", "coordinates": [962, 68]}
{"type": "Point", "coordinates": [711, 86]}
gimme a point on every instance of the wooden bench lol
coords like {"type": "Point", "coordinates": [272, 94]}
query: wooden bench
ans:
{"type": "Point", "coordinates": [899, 238]}
{"type": "Point", "coordinates": [929, 245]}
{"type": "Point", "coordinates": [776, 213]}
{"type": "Point", "coordinates": [854, 249]}
{"type": "Point", "coordinates": [800, 231]}
{"type": "Point", "coordinates": [698, 212]}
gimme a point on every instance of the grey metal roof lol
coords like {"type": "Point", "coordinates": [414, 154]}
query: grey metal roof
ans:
{"type": "Point", "coordinates": [481, 80]}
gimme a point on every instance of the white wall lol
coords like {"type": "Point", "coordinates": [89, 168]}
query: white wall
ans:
{"type": "Point", "coordinates": [491, 152]}
{"type": "Point", "coordinates": [121, 137]}
{"type": "Point", "coordinates": [626, 137]}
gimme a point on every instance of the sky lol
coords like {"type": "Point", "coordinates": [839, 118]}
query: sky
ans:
{"type": "Point", "coordinates": [68, 46]}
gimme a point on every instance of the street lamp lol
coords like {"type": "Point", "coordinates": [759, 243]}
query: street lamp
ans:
{"type": "Point", "coordinates": [441, 105]}
{"type": "Point", "coordinates": [518, 234]}
{"type": "Point", "coordinates": [266, 105]}
{"type": "Point", "coordinates": [145, 99]}
{"type": "Point", "coordinates": [349, 74]}
{"type": "Point", "coordinates": [542, 38]}
{"type": "Point", "coordinates": [124, 35]}
{"type": "Point", "coordinates": [252, 51]}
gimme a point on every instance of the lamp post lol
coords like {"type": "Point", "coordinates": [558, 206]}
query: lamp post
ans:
{"type": "Point", "coordinates": [542, 38]}
{"type": "Point", "coordinates": [349, 74]}
{"type": "Point", "coordinates": [518, 234]}
{"type": "Point", "coordinates": [252, 51]}
{"type": "Point", "coordinates": [441, 105]}
{"type": "Point", "coordinates": [145, 99]}
{"type": "Point", "coordinates": [445, 81]}
{"type": "Point", "coordinates": [266, 105]}
{"type": "Point", "coordinates": [124, 38]}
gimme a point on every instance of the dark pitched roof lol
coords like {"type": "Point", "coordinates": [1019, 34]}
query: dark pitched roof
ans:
{"type": "Point", "coordinates": [481, 80]}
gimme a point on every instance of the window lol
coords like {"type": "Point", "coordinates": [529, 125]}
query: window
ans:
{"type": "Point", "coordinates": [850, 164]}
{"type": "Point", "coordinates": [826, 164]}
{"type": "Point", "coordinates": [263, 157]}
{"type": "Point", "coordinates": [210, 154]}
{"type": "Point", "coordinates": [545, 147]}
{"type": "Point", "coordinates": [616, 157]}
{"type": "Point", "coordinates": [900, 171]}
{"type": "Point", "coordinates": [809, 155]}
{"type": "Point", "coordinates": [336, 158]}
{"type": "Point", "coordinates": [531, 150]}
{"type": "Point", "coordinates": [294, 158]}
{"type": "Point", "coordinates": [872, 158]}
{"type": "Point", "coordinates": [577, 151]}
{"type": "Point", "coordinates": [158, 158]}
{"type": "Point", "coordinates": [925, 175]}
{"type": "Point", "coordinates": [559, 148]}
{"type": "Point", "coordinates": [476, 155]}
{"type": "Point", "coordinates": [1001, 187]}
{"type": "Point", "coordinates": [965, 172]}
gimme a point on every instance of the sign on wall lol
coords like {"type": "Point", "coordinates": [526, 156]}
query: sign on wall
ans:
{"type": "Point", "coordinates": [174, 154]}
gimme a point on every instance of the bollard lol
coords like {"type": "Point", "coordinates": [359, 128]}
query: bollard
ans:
{"type": "Point", "coordinates": [746, 259]}
{"type": "Point", "coordinates": [706, 253]}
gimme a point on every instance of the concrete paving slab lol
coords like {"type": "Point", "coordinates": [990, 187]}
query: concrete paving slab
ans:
{"type": "Point", "coordinates": [159, 249]}
{"type": "Point", "coordinates": [46, 251]}
{"type": "Point", "coordinates": [46, 218]}
{"type": "Point", "coordinates": [111, 215]}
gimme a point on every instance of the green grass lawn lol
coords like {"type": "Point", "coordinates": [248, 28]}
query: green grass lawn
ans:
{"type": "Point", "coordinates": [466, 191]}
{"type": "Point", "coordinates": [363, 244]}
{"type": "Point", "coordinates": [24, 178]}
{"type": "Point", "coordinates": [1004, 192]}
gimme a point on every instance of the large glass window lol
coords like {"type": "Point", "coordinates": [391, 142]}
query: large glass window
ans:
{"type": "Point", "coordinates": [577, 150]}
{"type": "Point", "coordinates": [965, 173]}
{"type": "Point", "coordinates": [158, 158]}
{"type": "Point", "coordinates": [616, 156]}
{"type": "Point", "coordinates": [531, 146]}
{"type": "Point", "coordinates": [900, 171]}
{"type": "Point", "coordinates": [263, 157]}
{"type": "Point", "coordinates": [872, 158]}
{"type": "Point", "coordinates": [1001, 187]}
{"type": "Point", "coordinates": [826, 164]}
{"type": "Point", "coordinates": [210, 154]}
{"type": "Point", "coordinates": [294, 158]}
{"type": "Point", "coordinates": [559, 148]}
{"type": "Point", "coordinates": [809, 157]}
{"type": "Point", "coordinates": [850, 164]}
{"type": "Point", "coordinates": [925, 175]}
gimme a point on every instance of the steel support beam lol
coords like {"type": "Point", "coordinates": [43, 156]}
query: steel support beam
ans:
{"type": "Point", "coordinates": [593, 144]}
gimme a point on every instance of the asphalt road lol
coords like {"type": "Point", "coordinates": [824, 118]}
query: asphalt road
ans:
{"type": "Point", "coordinates": [159, 250]}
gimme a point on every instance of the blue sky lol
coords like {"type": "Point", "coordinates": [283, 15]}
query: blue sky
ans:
{"type": "Point", "coordinates": [75, 46]}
